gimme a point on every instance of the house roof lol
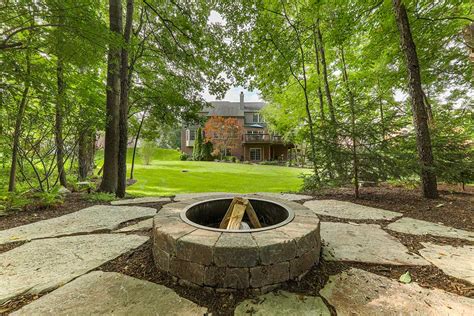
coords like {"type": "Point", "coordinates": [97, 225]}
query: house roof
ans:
{"type": "Point", "coordinates": [226, 108]}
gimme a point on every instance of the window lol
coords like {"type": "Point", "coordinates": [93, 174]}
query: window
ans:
{"type": "Point", "coordinates": [190, 134]}
{"type": "Point", "coordinates": [255, 154]}
{"type": "Point", "coordinates": [256, 118]}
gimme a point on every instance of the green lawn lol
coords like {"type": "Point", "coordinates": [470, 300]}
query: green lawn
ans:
{"type": "Point", "coordinates": [166, 175]}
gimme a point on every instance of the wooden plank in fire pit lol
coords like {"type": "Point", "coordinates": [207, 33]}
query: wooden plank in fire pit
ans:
{"type": "Point", "coordinates": [235, 213]}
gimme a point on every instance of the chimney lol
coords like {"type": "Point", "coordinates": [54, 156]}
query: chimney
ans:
{"type": "Point", "coordinates": [242, 100]}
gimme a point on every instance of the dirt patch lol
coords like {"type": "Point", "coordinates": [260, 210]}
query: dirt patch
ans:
{"type": "Point", "coordinates": [453, 208]}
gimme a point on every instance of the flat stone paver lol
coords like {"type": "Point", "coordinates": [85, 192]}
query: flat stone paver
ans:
{"type": "Point", "coordinates": [110, 293]}
{"type": "Point", "coordinates": [348, 210]}
{"type": "Point", "coordinates": [45, 264]}
{"type": "Point", "coordinates": [357, 292]}
{"type": "Point", "coordinates": [189, 196]}
{"type": "Point", "coordinates": [142, 225]}
{"type": "Point", "coordinates": [286, 196]}
{"type": "Point", "coordinates": [98, 218]}
{"type": "Point", "coordinates": [282, 303]}
{"type": "Point", "coordinates": [413, 226]}
{"type": "Point", "coordinates": [454, 261]}
{"type": "Point", "coordinates": [364, 243]}
{"type": "Point", "coordinates": [141, 200]}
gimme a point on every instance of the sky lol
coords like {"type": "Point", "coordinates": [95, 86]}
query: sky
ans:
{"type": "Point", "coordinates": [233, 94]}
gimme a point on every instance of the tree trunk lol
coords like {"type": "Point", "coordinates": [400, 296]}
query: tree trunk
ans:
{"type": "Point", "coordinates": [86, 153]}
{"type": "Point", "coordinates": [58, 126]}
{"type": "Point", "coordinates": [327, 89]}
{"type": "Point", "coordinates": [60, 97]}
{"type": "Point", "coordinates": [109, 179]}
{"type": "Point", "coordinates": [420, 117]}
{"type": "Point", "coordinates": [19, 120]}
{"type": "Point", "coordinates": [355, 160]}
{"type": "Point", "coordinates": [318, 72]}
{"type": "Point", "coordinates": [123, 121]}
{"type": "Point", "coordinates": [136, 143]}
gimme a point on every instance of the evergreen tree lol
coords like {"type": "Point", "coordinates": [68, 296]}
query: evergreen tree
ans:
{"type": "Point", "coordinates": [198, 145]}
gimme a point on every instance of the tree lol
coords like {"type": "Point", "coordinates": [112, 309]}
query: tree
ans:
{"type": "Point", "coordinates": [198, 144]}
{"type": "Point", "coordinates": [123, 115]}
{"type": "Point", "coordinates": [224, 133]}
{"type": "Point", "coordinates": [420, 116]}
{"type": "Point", "coordinates": [110, 173]}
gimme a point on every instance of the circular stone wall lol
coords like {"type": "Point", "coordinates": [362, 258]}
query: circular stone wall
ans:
{"type": "Point", "coordinates": [257, 259]}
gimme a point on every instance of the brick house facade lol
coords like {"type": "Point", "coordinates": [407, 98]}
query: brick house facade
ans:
{"type": "Point", "coordinates": [255, 144]}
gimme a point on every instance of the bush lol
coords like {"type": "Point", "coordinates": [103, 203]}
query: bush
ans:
{"type": "Point", "coordinates": [198, 146]}
{"type": "Point", "coordinates": [270, 163]}
{"type": "Point", "coordinates": [49, 199]}
{"type": "Point", "coordinates": [13, 201]}
{"type": "Point", "coordinates": [147, 151]}
{"type": "Point", "coordinates": [206, 151]}
{"type": "Point", "coordinates": [184, 156]}
{"type": "Point", "coordinates": [100, 197]}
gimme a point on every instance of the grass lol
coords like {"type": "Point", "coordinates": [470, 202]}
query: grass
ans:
{"type": "Point", "coordinates": [167, 175]}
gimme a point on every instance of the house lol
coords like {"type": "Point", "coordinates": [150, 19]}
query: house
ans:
{"type": "Point", "coordinates": [255, 143]}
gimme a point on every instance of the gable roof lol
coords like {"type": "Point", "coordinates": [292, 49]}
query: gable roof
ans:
{"type": "Point", "coordinates": [227, 108]}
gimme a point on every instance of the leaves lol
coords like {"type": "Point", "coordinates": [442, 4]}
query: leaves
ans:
{"type": "Point", "coordinates": [405, 278]}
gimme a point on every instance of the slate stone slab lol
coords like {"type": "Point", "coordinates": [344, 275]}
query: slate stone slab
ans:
{"type": "Point", "coordinates": [364, 243]}
{"type": "Point", "coordinates": [282, 303]}
{"type": "Point", "coordinates": [349, 210]}
{"type": "Point", "coordinates": [286, 196]}
{"type": "Point", "coordinates": [45, 264]}
{"type": "Point", "coordinates": [189, 196]}
{"type": "Point", "coordinates": [357, 292]}
{"type": "Point", "coordinates": [142, 225]}
{"type": "Point", "coordinates": [110, 293]}
{"type": "Point", "coordinates": [418, 227]}
{"type": "Point", "coordinates": [454, 261]}
{"type": "Point", "coordinates": [98, 218]}
{"type": "Point", "coordinates": [141, 200]}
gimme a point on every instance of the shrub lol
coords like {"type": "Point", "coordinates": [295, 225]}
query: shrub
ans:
{"type": "Point", "coordinates": [49, 199]}
{"type": "Point", "coordinates": [198, 146]}
{"type": "Point", "coordinates": [148, 150]}
{"type": "Point", "coordinates": [100, 197]}
{"type": "Point", "coordinates": [184, 156]}
{"type": "Point", "coordinates": [270, 162]}
{"type": "Point", "coordinates": [206, 151]}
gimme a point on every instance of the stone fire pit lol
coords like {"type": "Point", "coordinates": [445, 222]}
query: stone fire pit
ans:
{"type": "Point", "coordinates": [188, 244]}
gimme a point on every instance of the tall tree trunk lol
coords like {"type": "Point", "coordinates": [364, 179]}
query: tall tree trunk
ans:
{"type": "Point", "coordinates": [318, 72]}
{"type": "Point", "coordinates": [58, 126]}
{"type": "Point", "coordinates": [60, 97]}
{"type": "Point", "coordinates": [109, 179]}
{"type": "Point", "coordinates": [136, 144]}
{"type": "Point", "coordinates": [327, 89]}
{"type": "Point", "coordinates": [355, 160]}
{"type": "Point", "coordinates": [420, 116]}
{"type": "Point", "coordinates": [123, 120]}
{"type": "Point", "coordinates": [304, 87]}
{"type": "Point", "coordinates": [86, 153]}
{"type": "Point", "coordinates": [18, 122]}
